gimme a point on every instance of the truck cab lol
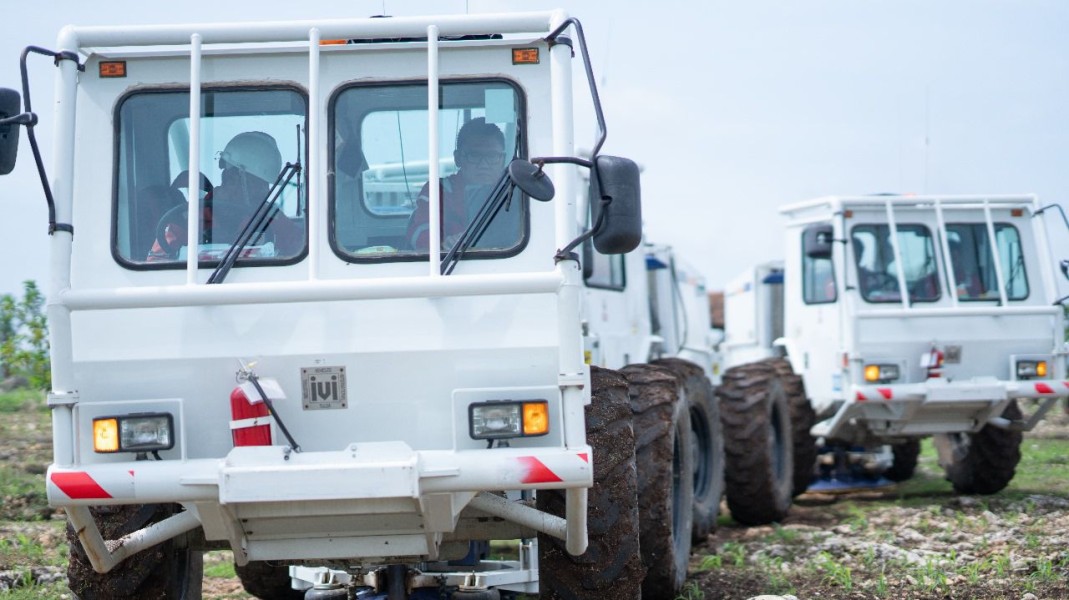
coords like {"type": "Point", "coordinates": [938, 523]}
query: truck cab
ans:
{"type": "Point", "coordinates": [334, 303]}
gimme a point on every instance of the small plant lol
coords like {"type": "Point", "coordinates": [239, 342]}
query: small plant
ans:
{"type": "Point", "coordinates": [786, 536]}
{"type": "Point", "coordinates": [691, 591]}
{"type": "Point", "coordinates": [735, 552]}
{"type": "Point", "coordinates": [710, 562]}
{"type": "Point", "coordinates": [835, 573]}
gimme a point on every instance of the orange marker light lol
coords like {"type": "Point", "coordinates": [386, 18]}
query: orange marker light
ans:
{"type": "Point", "coordinates": [525, 56]}
{"type": "Point", "coordinates": [1041, 368]}
{"type": "Point", "coordinates": [333, 42]}
{"type": "Point", "coordinates": [872, 372]}
{"type": "Point", "coordinates": [113, 68]}
{"type": "Point", "coordinates": [1016, 212]}
{"type": "Point", "coordinates": [535, 418]}
{"type": "Point", "coordinates": [106, 435]}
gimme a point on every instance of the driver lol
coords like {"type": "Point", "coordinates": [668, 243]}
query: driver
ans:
{"type": "Point", "coordinates": [250, 163]}
{"type": "Point", "coordinates": [480, 159]}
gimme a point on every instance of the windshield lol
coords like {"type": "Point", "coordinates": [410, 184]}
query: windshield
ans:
{"type": "Point", "coordinates": [877, 270]}
{"type": "Point", "coordinates": [246, 137]}
{"type": "Point", "coordinates": [973, 262]}
{"type": "Point", "coordinates": [381, 167]}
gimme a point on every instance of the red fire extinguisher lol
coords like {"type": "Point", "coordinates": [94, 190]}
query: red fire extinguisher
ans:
{"type": "Point", "coordinates": [250, 420]}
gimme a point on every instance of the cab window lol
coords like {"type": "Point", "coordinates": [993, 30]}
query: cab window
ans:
{"type": "Point", "coordinates": [247, 136]}
{"type": "Point", "coordinates": [818, 271]}
{"type": "Point", "coordinates": [973, 263]}
{"type": "Point", "coordinates": [877, 270]}
{"type": "Point", "coordinates": [381, 163]}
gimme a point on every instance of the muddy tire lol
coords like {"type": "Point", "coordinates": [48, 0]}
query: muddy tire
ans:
{"type": "Point", "coordinates": [758, 444]}
{"type": "Point", "coordinates": [984, 462]}
{"type": "Point", "coordinates": [803, 417]}
{"type": "Point", "coordinates": [664, 456]}
{"type": "Point", "coordinates": [267, 581]}
{"type": "Point", "coordinates": [905, 460]}
{"type": "Point", "coordinates": [167, 571]}
{"type": "Point", "coordinates": [707, 441]}
{"type": "Point", "coordinates": [611, 567]}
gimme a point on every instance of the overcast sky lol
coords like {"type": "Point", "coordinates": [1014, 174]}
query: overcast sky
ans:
{"type": "Point", "coordinates": [733, 108]}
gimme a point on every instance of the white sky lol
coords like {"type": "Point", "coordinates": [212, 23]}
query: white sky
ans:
{"type": "Point", "coordinates": [733, 108]}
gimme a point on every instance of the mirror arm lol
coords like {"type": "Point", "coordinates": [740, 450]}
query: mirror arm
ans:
{"type": "Point", "coordinates": [552, 39]}
{"type": "Point", "coordinates": [572, 160]}
{"type": "Point", "coordinates": [29, 119]}
{"type": "Point", "coordinates": [566, 253]}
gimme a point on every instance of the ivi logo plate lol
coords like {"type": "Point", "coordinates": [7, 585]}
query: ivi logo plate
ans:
{"type": "Point", "coordinates": [323, 388]}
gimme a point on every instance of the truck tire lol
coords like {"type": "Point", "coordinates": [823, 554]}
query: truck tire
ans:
{"type": "Point", "coordinates": [803, 417]}
{"type": "Point", "coordinates": [611, 567]}
{"type": "Point", "coordinates": [905, 460]}
{"type": "Point", "coordinates": [759, 471]}
{"type": "Point", "coordinates": [984, 462]}
{"type": "Point", "coordinates": [707, 440]}
{"type": "Point", "coordinates": [170, 570]}
{"type": "Point", "coordinates": [664, 456]}
{"type": "Point", "coordinates": [267, 581]}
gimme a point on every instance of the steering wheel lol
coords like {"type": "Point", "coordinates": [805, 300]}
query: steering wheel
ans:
{"type": "Point", "coordinates": [880, 281]}
{"type": "Point", "coordinates": [222, 221]}
{"type": "Point", "coordinates": [182, 180]}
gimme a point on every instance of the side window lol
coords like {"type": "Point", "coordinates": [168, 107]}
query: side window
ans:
{"type": "Point", "coordinates": [380, 196]}
{"type": "Point", "coordinates": [818, 276]}
{"type": "Point", "coordinates": [972, 261]}
{"type": "Point", "coordinates": [877, 269]}
{"type": "Point", "coordinates": [247, 136]}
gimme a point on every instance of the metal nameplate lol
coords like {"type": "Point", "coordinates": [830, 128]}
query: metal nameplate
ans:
{"type": "Point", "coordinates": [952, 355]}
{"type": "Point", "coordinates": [323, 388]}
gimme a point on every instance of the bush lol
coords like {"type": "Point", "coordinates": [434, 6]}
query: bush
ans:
{"type": "Point", "coordinates": [24, 337]}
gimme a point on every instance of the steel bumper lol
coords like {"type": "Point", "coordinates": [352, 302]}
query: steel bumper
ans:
{"type": "Point", "coordinates": [361, 471]}
{"type": "Point", "coordinates": [935, 406]}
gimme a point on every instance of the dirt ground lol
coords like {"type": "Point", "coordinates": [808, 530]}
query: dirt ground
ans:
{"type": "Point", "coordinates": [913, 540]}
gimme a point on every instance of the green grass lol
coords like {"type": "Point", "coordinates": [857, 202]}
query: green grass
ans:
{"type": "Point", "coordinates": [22, 399]}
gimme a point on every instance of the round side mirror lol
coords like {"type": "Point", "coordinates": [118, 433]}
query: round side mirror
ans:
{"type": "Point", "coordinates": [531, 179]}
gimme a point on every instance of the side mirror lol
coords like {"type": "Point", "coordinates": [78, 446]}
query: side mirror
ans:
{"type": "Point", "coordinates": [1064, 266]}
{"type": "Point", "coordinates": [621, 227]}
{"type": "Point", "coordinates": [817, 241]}
{"type": "Point", "coordinates": [9, 132]}
{"type": "Point", "coordinates": [531, 179]}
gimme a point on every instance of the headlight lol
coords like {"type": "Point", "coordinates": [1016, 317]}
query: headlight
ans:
{"type": "Point", "coordinates": [1031, 369]}
{"type": "Point", "coordinates": [134, 433]}
{"type": "Point", "coordinates": [498, 420]}
{"type": "Point", "coordinates": [881, 373]}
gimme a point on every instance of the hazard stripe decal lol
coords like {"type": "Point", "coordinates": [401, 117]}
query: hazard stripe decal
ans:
{"type": "Point", "coordinates": [536, 471]}
{"type": "Point", "coordinates": [78, 485]}
{"type": "Point", "coordinates": [1043, 388]}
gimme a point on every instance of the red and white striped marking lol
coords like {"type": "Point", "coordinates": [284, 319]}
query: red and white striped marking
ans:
{"type": "Point", "coordinates": [551, 469]}
{"type": "Point", "coordinates": [78, 485]}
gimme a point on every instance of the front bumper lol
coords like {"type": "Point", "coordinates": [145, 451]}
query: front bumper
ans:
{"type": "Point", "coordinates": [934, 406]}
{"type": "Point", "coordinates": [371, 500]}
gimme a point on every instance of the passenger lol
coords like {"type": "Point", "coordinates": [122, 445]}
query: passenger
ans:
{"type": "Point", "coordinates": [250, 165]}
{"type": "Point", "coordinates": [480, 159]}
{"type": "Point", "coordinates": [966, 279]}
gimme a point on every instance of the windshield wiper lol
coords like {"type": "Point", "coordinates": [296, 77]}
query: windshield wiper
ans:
{"type": "Point", "coordinates": [500, 197]}
{"type": "Point", "coordinates": [263, 215]}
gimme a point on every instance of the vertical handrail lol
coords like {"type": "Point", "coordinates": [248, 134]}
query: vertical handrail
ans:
{"type": "Point", "coordinates": [948, 259]}
{"type": "Point", "coordinates": [313, 215]}
{"type": "Point", "coordinates": [993, 242]}
{"type": "Point", "coordinates": [193, 206]}
{"type": "Point", "coordinates": [900, 271]}
{"type": "Point", "coordinates": [434, 212]}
